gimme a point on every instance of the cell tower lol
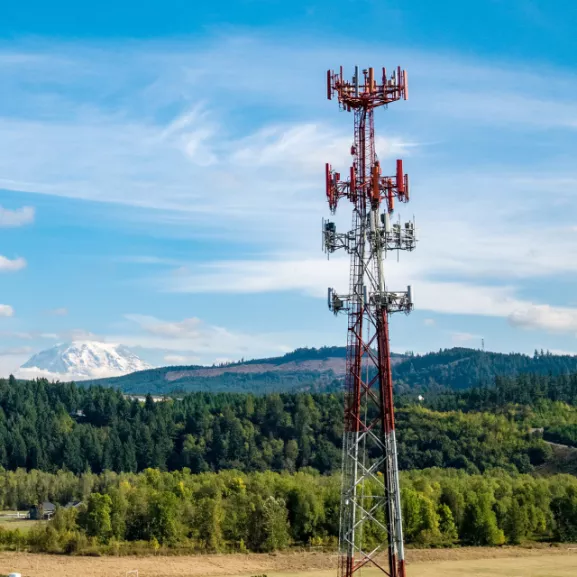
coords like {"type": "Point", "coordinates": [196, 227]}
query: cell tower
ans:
{"type": "Point", "coordinates": [370, 520]}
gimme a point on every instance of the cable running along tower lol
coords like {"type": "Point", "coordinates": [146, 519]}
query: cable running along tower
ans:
{"type": "Point", "coordinates": [370, 521]}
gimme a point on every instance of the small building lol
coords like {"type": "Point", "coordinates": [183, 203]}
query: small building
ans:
{"type": "Point", "coordinates": [42, 511]}
{"type": "Point", "coordinates": [73, 505]}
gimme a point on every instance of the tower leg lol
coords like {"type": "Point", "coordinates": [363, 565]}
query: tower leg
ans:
{"type": "Point", "coordinates": [391, 467]}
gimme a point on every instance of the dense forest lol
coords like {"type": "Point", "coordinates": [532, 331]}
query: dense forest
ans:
{"type": "Point", "coordinates": [460, 368]}
{"type": "Point", "coordinates": [230, 471]}
{"type": "Point", "coordinates": [523, 389]}
{"type": "Point", "coordinates": [51, 426]}
{"type": "Point", "coordinates": [455, 369]}
{"type": "Point", "coordinates": [234, 511]}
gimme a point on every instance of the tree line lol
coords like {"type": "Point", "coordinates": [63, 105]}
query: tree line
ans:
{"type": "Point", "coordinates": [235, 511]}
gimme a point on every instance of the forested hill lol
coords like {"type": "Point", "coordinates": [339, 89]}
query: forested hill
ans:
{"type": "Point", "coordinates": [305, 369]}
{"type": "Point", "coordinates": [322, 370]}
{"type": "Point", "coordinates": [53, 426]}
{"type": "Point", "coordinates": [461, 368]}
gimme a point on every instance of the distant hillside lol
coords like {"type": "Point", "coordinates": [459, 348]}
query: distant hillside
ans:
{"type": "Point", "coordinates": [301, 370]}
{"type": "Point", "coordinates": [461, 368]}
{"type": "Point", "coordinates": [323, 370]}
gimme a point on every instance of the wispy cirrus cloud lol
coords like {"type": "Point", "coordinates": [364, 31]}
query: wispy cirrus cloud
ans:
{"type": "Point", "coordinates": [124, 151]}
{"type": "Point", "coordinates": [312, 276]}
{"type": "Point", "coordinates": [180, 139]}
{"type": "Point", "coordinates": [262, 181]}
{"type": "Point", "coordinates": [197, 338]}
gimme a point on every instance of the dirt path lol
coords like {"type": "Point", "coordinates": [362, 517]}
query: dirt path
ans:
{"type": "Point", "coordinates": [472, 562]}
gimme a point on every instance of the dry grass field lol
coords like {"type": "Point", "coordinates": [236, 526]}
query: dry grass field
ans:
{"type": "Point", "coordinates": [471, 562]}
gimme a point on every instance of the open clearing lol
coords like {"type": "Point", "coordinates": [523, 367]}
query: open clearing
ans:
{"type": "Point", "coordinates": [470, 562]}
{"type": "Point", "coordinates": [23, 524]}
{"type": "Point", "coordinates": [17, 520]}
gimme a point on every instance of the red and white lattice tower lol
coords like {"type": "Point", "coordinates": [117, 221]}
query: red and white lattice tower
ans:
{"type": "Point", "coordinates": [370, 521]}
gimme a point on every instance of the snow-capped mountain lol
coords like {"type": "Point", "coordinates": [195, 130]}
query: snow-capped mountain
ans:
{"type": "Point", "coordinates": [81, 360]}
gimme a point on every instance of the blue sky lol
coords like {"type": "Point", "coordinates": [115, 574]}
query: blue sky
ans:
{"type": "Point", "coordinates": [161, 173]}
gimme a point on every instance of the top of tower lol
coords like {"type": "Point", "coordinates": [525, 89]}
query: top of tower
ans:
{"type": "Point", "coordinates": [365, 90]}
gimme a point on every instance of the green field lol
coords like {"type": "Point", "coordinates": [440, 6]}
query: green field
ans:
{"type": "Point", "coordinates": [7, 521]}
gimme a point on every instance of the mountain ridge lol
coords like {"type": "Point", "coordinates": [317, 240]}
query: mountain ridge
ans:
{"type": "Point", "coordinates": [322, 370]}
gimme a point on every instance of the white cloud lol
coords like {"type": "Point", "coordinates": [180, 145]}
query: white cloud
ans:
{"type": "Point", "coordinates": [133, 165]}
{"type": "Point", "coordinates": [482, 229]}
{"type": "Point", "coordinates": [6, 311]}
{"type": "Point", "coordinates": [314, 276]}
{"type": "Point", "coordinates": [200, 340]}
{"type": "Point", "coordinates": [7, 265]}
{"type": "Point", "coordinates": [18, 217]}
{"type": "Point", "coordinates": [199, 162]}
{"type": "Point", "coordinates": [429, 322]}
{"type": "Point", "coordinates": [465, 298]}
{"type": "Point", "coordinates": [264, 183]}
{"type": "Point", "coordinates": [308, 275]}
{"type": "Point", "coordinates": [545, 317]}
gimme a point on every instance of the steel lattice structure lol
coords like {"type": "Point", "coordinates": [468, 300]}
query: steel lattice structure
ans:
{"type": "Point", "coordinates": [370, 523]}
